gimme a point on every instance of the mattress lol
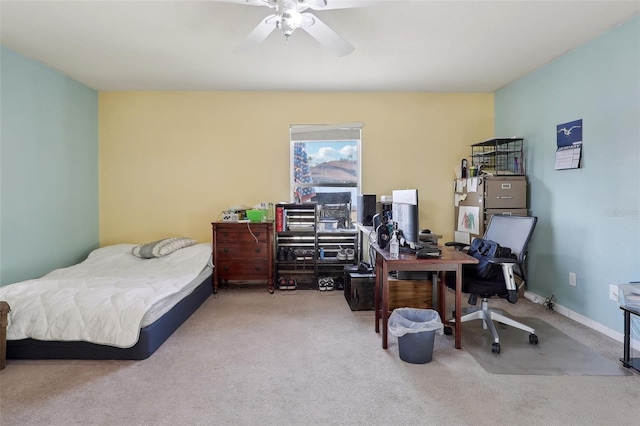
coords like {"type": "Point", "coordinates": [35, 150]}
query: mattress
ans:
{"type": "Point", "coordinates": [161, 308]}
{"type": "Point", "coordinates": [106, 299]}
{"type": "Point", "coordinates": [150, 339]}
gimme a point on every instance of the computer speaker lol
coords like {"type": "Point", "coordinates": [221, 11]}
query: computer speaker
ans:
{"type": "Point", "coordinates": [382, 233]}
{"type": "Point", "coordinates": [366, 209]}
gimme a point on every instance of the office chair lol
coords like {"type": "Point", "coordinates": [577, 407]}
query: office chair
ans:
{"type": "Point", "coordinates": [513, 232]}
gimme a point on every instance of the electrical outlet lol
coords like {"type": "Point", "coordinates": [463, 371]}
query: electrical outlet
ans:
{"type": "Point", "coordinates": [613, 292]}
{"type": "Point", "coordinates": [572, 279]}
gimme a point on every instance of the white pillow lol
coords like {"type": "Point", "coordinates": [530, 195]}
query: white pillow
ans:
{"type": "Point", "coordinates": [162, 247]}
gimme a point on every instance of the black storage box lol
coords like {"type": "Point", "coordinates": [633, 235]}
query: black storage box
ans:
{"type": "Point", "coordinates": [359, 289]}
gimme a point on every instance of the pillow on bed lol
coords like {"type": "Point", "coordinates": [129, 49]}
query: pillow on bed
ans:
{"type": "Point", "coordinates": [162, 247]}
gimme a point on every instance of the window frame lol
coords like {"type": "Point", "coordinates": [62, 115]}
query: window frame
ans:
{"type": "Point", "coordinates": [349, 133]}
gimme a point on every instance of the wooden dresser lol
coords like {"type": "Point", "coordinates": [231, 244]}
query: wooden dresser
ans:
{"type": "Point", "coordinates": [242, 251]}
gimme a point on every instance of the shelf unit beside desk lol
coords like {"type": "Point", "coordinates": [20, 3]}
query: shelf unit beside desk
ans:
{"type": "Point", "coordinates": [629, 301]}
{"type": "Point", "coordinates": [627, 360]}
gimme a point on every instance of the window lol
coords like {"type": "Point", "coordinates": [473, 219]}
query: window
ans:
{"type": "Point", "coordinates": [326, 168]}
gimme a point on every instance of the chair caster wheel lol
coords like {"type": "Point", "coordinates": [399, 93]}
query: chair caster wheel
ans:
{"type": "Point", "coordinates": [495, 348]}
{"type": "Point", "coordinates": [448, 331]}
{"type": "Point", "coordinates": [533, 339]}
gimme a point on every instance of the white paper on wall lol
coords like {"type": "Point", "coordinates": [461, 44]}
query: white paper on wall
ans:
{"type": "Point", "coordinates": [469, 219]}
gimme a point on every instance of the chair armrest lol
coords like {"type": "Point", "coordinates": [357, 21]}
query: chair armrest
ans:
{"type": "Point", "coordinates": [456, 245]}
{"type": "Point", "coordinates": [503, 260]}
{"type": "Point", "coordinates": [510, 282]}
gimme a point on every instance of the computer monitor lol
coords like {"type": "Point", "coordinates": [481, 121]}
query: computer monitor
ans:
{"type": "Point", "coordinates": [405, 213]}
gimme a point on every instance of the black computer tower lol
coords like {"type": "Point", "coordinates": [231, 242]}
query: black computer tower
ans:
{"type": "Point", "coordinates": [367, 208]}
{"type": "Point", "coordinates": [359, 290]}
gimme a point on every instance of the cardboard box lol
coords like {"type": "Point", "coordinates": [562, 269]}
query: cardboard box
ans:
{"type": "Point", "coordinates": [410, 294]}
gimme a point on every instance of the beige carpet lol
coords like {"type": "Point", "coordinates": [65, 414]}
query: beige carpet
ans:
{"type": "Point", "coordinates": [250, 358]}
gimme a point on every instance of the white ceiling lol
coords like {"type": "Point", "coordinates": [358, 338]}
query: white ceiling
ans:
{"type": "Point", "coordinates": [430, 46]}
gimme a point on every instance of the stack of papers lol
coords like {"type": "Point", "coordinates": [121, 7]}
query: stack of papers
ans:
{"type": "Point", "coordinates": [629, 296]}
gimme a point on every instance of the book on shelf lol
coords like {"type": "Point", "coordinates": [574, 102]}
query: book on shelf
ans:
{"type": "Point", "coordinates": [279, 219]}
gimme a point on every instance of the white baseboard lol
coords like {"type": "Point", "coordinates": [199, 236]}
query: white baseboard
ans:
{"type": "Point", "coordinates": [532, 297]}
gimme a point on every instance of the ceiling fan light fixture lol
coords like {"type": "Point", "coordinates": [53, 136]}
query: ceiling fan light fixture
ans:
{"type": "Point", "coordinates": [289, 15]}
{"type": "Point", "coordinates": [314, 4]}
{"type": "Point", "coordinates": [289, 21]}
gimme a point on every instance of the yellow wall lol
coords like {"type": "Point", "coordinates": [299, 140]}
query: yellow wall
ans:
{"type": "Point", "coordinates": [171, 162]}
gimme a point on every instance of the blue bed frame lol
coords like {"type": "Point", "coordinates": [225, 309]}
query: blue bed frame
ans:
{"type": "Point", "coordinates": [151, 336]}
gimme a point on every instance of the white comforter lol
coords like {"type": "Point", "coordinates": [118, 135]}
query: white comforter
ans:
{"type": "Point", "coordinates": [102, 299]}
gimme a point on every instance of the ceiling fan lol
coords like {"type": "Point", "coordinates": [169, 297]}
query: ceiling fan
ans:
{"type": "Point", "coordinates": [289, 15]}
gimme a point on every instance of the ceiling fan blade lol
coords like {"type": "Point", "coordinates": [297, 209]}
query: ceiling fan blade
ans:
{"type": "Point", "coordinates": [341, 4]}
{"type": "Point", "coordinates": [269, 3]}
{"type": "Point", "coordinates": [258, 35]}
{"type": "Point", "coordinates": [327, 37]}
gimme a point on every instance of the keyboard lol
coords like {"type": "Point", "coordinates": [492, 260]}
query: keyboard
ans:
{"type": "Point", "coordinates": [408, 250]}
{"type": "Point", "coordinates": [421, 251]}
{"type": "Point", "coordinates": [428, 251]}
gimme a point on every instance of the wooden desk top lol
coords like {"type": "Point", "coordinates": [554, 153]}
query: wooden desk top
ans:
{"type": "Point", "coordinates": [405, 260]}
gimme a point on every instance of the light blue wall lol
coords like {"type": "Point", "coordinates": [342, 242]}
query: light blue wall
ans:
{"type": "Point", "coordinates": [48, 169]}
{"type": "Point", "coordinates": [589, 218]}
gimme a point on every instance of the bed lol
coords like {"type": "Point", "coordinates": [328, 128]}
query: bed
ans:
{"type": "Point", "coordinates": [113, 305]}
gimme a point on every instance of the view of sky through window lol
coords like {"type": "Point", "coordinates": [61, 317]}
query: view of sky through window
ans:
{"type": "Point", "coordinates": [323, 151]}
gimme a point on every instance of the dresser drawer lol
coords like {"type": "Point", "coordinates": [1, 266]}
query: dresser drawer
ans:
{"type": "Point", "coordinates": [241, 250]}
{"type": "Point", "coordinates": [237, 233]}
{"type": "Point", "coordinates": [243, 269]}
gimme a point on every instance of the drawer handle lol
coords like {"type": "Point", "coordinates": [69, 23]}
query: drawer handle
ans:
{"type": "Point", "coordinates": [506, 186]}
{"type": "Point", "coordinates": [257, 234]}
{"type": "Point", "coordinates": [225, 233]}
{"type": "Point", "coordinates": [226, 250]}
{"type": "Point", "coordinates": [505, 198]}
{"type": "Point", "coordinates": [258, 268]}
{"type": "Point", "coordinates": [225, 268]}
{"type": "Point", "coordinates": [258, 250]}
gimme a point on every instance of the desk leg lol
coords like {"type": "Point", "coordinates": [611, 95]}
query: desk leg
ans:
{"type": "Point", "coordinates": [442, 295]}
{"type": "Point", "coordinates": [458, 303]}
{"type": "Point", "coordinates": [627, 339]}
{"type": "Point", "coordinates": [378, 291]}
{"type": "Point", "coordinates": [385, 302]}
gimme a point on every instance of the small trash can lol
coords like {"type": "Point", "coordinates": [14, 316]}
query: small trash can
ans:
{"type": "Point", "coordinates": [416, 332]}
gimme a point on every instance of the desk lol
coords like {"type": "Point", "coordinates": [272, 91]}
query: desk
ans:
{"type": "Point", "coordinates": [451, 260]}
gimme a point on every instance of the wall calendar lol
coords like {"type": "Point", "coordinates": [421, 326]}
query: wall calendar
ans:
{"type": "Point", "coordinates": [569, 142]}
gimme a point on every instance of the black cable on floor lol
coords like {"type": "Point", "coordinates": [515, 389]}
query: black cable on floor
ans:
{"type": "Point", "coordinates": [549, 303]}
